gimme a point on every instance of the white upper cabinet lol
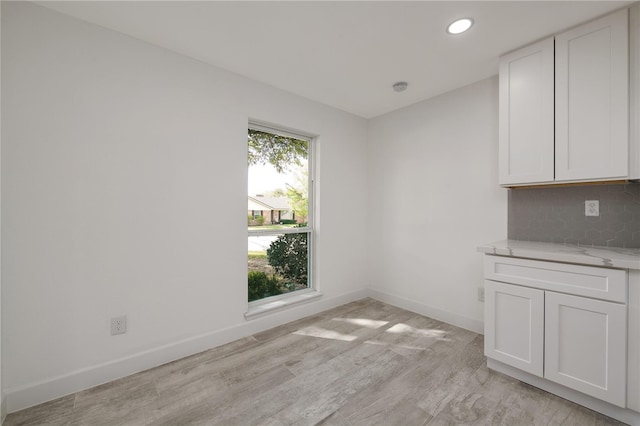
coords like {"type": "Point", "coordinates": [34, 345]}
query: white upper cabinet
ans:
{"type": "Point", "coordinates": [526, 114]}
{"type": "Point", "coordinates": [592, 98]}
{"type": "Point", "coordinates": [590, 101]}
{"type": "Point", "coordinates": [634, 87]}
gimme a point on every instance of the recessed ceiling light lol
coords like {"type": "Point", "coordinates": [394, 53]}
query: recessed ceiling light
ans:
{"type": "Point", "coordinates": [400, 86]}
{"type": "Point", "coordinates": [460, 26]}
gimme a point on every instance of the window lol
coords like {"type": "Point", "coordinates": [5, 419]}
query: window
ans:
{"type": "Point", "coordinates": [280, 222]}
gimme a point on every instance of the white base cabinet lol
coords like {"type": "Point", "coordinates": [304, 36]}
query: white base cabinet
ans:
{"type": "Point", "coordinates": [575, 340]}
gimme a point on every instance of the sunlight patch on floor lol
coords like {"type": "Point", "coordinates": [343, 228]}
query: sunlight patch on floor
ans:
{"type": "Point", "coordinates": [397, 346]}
{"type": "Point", "coordinates": [325, 334]}
{"type": "Point", "coordinates": [363, 322]}
{"type": "Point", "coordinates": [407, 329]}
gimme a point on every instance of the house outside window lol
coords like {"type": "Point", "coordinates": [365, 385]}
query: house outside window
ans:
{"type": "Point", "coordinates": [280, 213]}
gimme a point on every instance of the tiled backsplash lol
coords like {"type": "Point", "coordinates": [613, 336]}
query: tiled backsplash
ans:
{"type": "Point", "coordinates": [557, 215]}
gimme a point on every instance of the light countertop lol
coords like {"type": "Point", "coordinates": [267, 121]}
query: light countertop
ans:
{"type": "Point", "coordinates": [610, 257]}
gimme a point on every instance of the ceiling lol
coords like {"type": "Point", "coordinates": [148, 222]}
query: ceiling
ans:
{"type": "Point", "coordinates": [343, 54]}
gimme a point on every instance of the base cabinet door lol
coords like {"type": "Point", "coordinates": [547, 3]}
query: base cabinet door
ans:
{"type": "Point", "coordinates": [585, 346]}
{"type": "Point", "coordinates": [514, 326]}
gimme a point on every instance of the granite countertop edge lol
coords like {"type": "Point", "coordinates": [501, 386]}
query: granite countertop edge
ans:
{"type": "Point", "coordinates": [611, 257]}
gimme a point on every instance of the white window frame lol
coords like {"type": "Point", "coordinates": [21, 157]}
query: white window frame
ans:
{"type": "Point", "coordinates": [268, 304]}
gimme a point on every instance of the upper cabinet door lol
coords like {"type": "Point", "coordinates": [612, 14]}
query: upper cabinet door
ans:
{"type": "Point", "coordinates": [592, 98]}
{"type": "Point", "coordinates": [526, 115]}
{"type": "Point", "coordinates": [634, 89]}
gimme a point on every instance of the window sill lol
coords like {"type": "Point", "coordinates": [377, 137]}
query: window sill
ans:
{"type": "Point", "coordinates": [257, 310]}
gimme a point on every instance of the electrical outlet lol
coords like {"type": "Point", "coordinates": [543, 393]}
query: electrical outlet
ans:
{"type": "Point", "coordinates": [480, 294]}
{"type": "Point", "coordinates": [118, 325]}
{"type": "Point", "coordinates": [592, 208]}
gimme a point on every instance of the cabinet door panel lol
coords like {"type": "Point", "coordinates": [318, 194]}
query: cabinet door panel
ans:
{"type": "Point", "coordinates": [592, 98]}
{"type": "Point", "coordinates": [634, 90]}
{"type": "Point", "coordinates": [526, 115]}
{"type": "Point", "coordinates": [585, 346]}
{"type": "Point", "coordinates": [514, 326]}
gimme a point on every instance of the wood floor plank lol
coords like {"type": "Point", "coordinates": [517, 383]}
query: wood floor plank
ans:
{"type": "Point", "coordinates": [400, 412]}
{"type": "Point", "coordinates": [282, 397]}
{"type": "Point", "coordinates": [56, 412]}
{"type": "Point", "coordinates": [451, 378]}
{"type": "Point", "coordinates": [211, 408]}
{"type": "Point", "coordinates": [103, 416]}
{"type": "Point", "coordinates": [334, 419]}
{"type": "Point", "coordinates": [314, 406]}
{"type": "Point", "coordinates": [126, 394]}
{"type": "Point", "coordinates": [470, 409]}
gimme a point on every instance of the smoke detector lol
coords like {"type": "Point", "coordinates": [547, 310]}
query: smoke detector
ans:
{"type": "Point", "coordinates": [400, 86]}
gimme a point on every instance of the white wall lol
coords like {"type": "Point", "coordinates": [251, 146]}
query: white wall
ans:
{"type": "Point", "coordinates": [124, 192]}
{"type": "Point", "coordinates": [433, 198]}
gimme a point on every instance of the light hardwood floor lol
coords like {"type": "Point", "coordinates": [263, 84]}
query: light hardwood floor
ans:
{"type": "Point", "coordinates": [364, 363]}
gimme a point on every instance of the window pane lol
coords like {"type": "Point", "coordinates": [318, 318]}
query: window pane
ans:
{"type": "Point", "coordinates": [277, 264]}
{"type": "Point", "coordinates": [278, 178]}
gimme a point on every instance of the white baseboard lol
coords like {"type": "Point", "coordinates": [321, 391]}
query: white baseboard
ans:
{"type": "Point", "coordinates": [3, 409]}
{"type": "Point", "coordinates": [36, 393]}
{"type": "Point", "coordinates": [429, 311]}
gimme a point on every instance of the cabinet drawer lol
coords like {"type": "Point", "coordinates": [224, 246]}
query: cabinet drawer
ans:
{"type": "Point", "coordinates": [589, 281]}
